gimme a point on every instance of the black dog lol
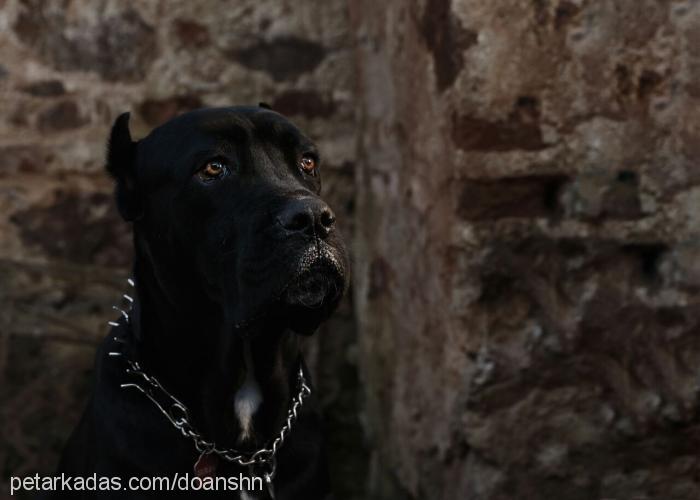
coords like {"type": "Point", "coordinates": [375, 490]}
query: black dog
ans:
{"type": "Point", "coordinates": [236, 256]}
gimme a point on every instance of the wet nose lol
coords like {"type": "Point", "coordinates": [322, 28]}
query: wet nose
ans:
{"type": "Point", "coordinates": [310, 216]}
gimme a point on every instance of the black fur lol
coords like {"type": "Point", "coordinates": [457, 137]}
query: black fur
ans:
{"type": "Point", "coordinates": [251, 256]}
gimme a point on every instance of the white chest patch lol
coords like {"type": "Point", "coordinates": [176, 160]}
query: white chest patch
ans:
{"type": "Point", "coordinates": [248, 397]}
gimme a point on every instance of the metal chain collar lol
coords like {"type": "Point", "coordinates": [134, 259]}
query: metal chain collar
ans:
{"type": "Point", "coordinates": [178, 415]}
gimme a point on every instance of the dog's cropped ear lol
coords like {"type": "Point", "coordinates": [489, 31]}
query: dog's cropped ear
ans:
{"type": "Point", "coordinates": [121, 165]}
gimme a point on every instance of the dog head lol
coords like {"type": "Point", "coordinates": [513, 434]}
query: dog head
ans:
{"type": "Point", "coordinates": [227, 212]}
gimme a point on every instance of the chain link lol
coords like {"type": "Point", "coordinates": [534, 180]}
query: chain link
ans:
{"type": "Point", "coordinates": [178, 415]}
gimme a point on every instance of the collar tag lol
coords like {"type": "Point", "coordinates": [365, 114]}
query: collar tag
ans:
{"type": "Point", "coordinates": [206, 465]}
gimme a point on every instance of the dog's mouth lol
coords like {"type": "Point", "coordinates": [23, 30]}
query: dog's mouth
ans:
{"type": "Point", "coordinates": [319, 278]}
{"type": "Point", "coordinates": [315, 288]}
{"type": "Point", "coordinates": [309, 289]}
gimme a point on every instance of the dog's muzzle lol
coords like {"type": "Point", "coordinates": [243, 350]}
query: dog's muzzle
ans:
{"type": "Point", "coordinates": [319, 278]}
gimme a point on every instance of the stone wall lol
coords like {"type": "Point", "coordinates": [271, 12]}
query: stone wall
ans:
{"type": "Point", "coordinates": [527, 249]}
{"type": "Point", "coordinates": [68, 68]}
{"type": "Point", "coordinates": [520, 181]}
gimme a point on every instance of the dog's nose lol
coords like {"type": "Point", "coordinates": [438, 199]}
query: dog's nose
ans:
{"type": "Point", "coordinates": [307, 215]}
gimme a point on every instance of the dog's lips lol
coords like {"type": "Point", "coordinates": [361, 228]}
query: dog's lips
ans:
{"type": "Point", "coordinates": [311, 288]}
{"type": "Point", "coordinates": [309, 291]}
{"type": "Point", "coordinates": [318, 275]}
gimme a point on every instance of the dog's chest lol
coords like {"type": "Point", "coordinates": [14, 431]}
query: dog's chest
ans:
{"type": "Point", "coordinates": [248, 397]}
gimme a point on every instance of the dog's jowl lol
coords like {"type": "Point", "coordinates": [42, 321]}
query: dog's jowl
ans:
{"type": "Point", "coordinates": [237, 257]}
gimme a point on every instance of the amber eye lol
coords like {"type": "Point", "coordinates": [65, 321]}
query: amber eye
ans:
{"type": "Point", "coordinates": [212, 170]}
{"type": "Point", "coordinates": [307, 164]}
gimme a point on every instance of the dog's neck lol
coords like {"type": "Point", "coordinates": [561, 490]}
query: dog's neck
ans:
{"type": "Point", "coordinates": [236, 384]}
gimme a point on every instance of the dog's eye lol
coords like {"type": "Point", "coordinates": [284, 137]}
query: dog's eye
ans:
{"type": "Point", "coordinates": [212, 170]}
{"type": "Point", "coordinates": [307, 164]}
